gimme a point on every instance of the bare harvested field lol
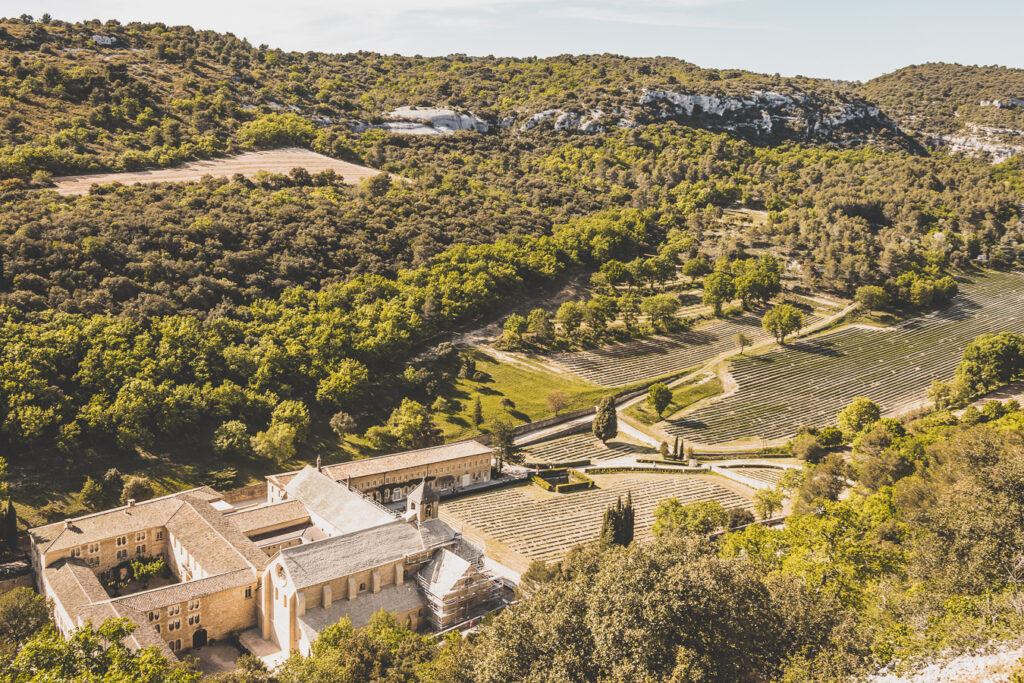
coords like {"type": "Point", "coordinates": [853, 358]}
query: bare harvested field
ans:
{"type": "Point", "coordinates": [273, 161]}
{"type": "Point", "coordinates": [530, 524]}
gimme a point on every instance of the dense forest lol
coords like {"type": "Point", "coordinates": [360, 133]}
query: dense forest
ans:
{"type": "Point", "coordinates": [134, 314]}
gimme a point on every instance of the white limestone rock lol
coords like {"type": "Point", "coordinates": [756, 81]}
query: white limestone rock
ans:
{"type": "Point", "coordinates": [443, 120]}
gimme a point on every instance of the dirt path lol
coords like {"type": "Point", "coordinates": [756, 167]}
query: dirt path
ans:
{"type": "Point", "coordinates": [280, 161]}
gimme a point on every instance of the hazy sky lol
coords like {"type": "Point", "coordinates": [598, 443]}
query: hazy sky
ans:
{"type": "Point", "coordinates": [856, 39]}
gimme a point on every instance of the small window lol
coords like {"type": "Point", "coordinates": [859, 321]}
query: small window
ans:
{"type": "Point", "coordinates": [160, 535]}
{"type": "Point", "coordinates": [122, 540]}
{"type": "Point", "coordinates": [193, 605]}
{"type": "Point", "coordinates": [157, 627]}
{"type": "Point", "coordinates": [153, 616]}
{"type": "Point", "coordinates": [140, 536]}
{"type": "Point", "coordinates": [94, 548]}
{"type": "Point", "coordinates": [122, 554]}
{"type": "Point", "coordinates": [248, 591]}
{"type": "Point", "coordinates": [362, 586]}
{"type": "Point", "coordinates": [76, 552]}
{"type": "Point", "coordinates": [140, 549]}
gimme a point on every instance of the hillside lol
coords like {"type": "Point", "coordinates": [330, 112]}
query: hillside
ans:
{"type": "Point", "coordinates": [93, 96]}
{"type": "Point", "coordinates": [969, 108]}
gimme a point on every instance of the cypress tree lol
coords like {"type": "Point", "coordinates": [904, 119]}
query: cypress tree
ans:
{"type": "Point", "coordinates": [607, 538]}
{"type": "Point", "coordinates": [478, 413]}
{"type": "Point", "coordinates": [606, 421]}
{"type": "Point", "coordinates": [11, 525]}
{"type": "Point", "coordinates": [624, 532]}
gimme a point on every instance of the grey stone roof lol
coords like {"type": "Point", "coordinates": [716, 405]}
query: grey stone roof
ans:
{"type": "Point", "coordinates": [423, 494]}
{"type": "Point", "coordinates": [253, 520]}
{"type": "Point", "coordinates": [395, 461]}
{"type": "Point", "coordinates": [74, 585]}
{"type": "Point", "coordinates": [444, 571]}
{"type": "Point", "coordinates": [315, 563]}
{"type": "Point", "coordinates": [183, 592]}
{"type": "Point", "coordinates": [342, 508]}
{"type": "Point", "coordinates": [391, 598]}
{"type": "Point", "coordinates": [216, 543]}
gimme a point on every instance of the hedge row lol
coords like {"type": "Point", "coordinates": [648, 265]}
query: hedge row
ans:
{"type": "Point", "coordinates": [642, 470]}
{"type": "Point", "coordinates": [547, 486]}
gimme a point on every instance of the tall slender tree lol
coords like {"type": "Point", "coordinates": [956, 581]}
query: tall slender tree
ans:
{"type": "Point", "coordinates": [606, 421]}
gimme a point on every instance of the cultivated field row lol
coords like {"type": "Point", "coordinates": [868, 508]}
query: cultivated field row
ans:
{"type": "Point", "coordinates": [546, 529]}
{"type": "Point", "coordinates": [661, 355]}
{"type": "Point", "coordinates": [579, 447]}
{"type": "Point", "coordinates": [809, 382]}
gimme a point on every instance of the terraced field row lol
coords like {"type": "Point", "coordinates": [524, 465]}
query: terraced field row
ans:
{"type": "Point", "coordinates": [579, 447]}
{"type": "Point", "coordinates": [809, 382]}
{"type": "Point", "coordinates": [547, 529]}
{"type": "Point", "coordinates": [766, 475]}
{"type": "Point", "coordinates": [641, 359]}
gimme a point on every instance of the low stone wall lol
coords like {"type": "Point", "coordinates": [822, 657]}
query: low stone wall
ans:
{"type": "Point", "coordinates": [15, 575]}
{"type": "Point", "coordinates": [246, 492]}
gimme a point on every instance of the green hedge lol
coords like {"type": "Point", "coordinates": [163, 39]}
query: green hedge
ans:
{"type": "Point", "coordinates": [538, 465]}
{"type": "Point", "coordinates": [547, 486]}
{"type": "Point", "coordinates": [574, 486]}
{"type": "Point", "coordinates": [618, 470]}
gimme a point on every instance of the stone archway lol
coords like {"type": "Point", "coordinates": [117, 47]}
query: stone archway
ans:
{"type": "Point", "coordinates": [199, 638]}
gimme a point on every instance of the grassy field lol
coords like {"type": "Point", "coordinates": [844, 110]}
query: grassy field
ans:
{"type": "Point", "coordinates": [683, 396]}
{"type": "Point", "coordinates": [810, 381]}
{"type": "Point", "coordinates": [527, 385]}
{"type": "Point", "coordinates": [524, 523]}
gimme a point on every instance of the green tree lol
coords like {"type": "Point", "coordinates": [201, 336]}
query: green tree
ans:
{"type": "Point", "coordinates": [570, 316]}
{"type": "Point", "coordinates": [294, 414]}
{"type": "Point", "coordinates": [277, 130]}
{"type": "Point", "coordinates": [741, 341]}
{"type": "Point", "coordinates": [871, 297]}
{"type": "Point", "coordinates": [766, 502]}
{"type": "Point", "coordinates": [606, 420]}
{"type": "Point", "coordinates": [659, 397]}
{"type": "Point", "coordinates": [410, 426]}
{"type": "Point", "coordinates": [718, 290]}
{"type": "Point", "coordinates": [276, 443]}
{"type": "Point", "coordinates": [661, 309]}
{"type": "Point", "coordinates": [503, 439]}
{"type": "Point", "coordinates": [512, 335]}
{"type": "Point", "coordinates": [617, 526]}
{"type": "Point", "coordinates": [478, 413]}
{"type": "Point", "coordinates": [696, 267]}
{"type": "Point", "coordinates": [137, 488]}
{"type": "Point", "coordinates": [538, 325]}
{"type": "Point", "coordinates": [95, 654]}
{"type": "Point", "coordinates": [807, 447]}
{"type": "Point", "coordinates": [23, 612]}
{"type": "Point", "coordinates": [858, 416]}
{"type": "Point", "coordinates": [92, 494]}
{"type": "Point", "coordinates": [344, 385]}
{"type": "Point", "coordinates": [232, 439]}
{"type": "Point", "coordinates": [781, 321]}
{"type": "Point", "coordinates": [702, 518]}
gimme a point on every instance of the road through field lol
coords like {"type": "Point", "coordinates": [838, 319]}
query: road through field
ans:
{"type": "Point", "coordinates": [810, 381]}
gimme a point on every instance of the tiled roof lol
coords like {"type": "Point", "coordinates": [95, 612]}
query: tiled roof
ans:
{"type": "Point", "coordinates": [74, 585]}
{"type": "Point", "coordinates": [423, 494]}
{"type": "Point", "coordinates": [115, 522]}
{"type": "Point", "coordinates": [216, 543]}
{"type": "Point", "coordinates": [396, 461]}
{"type": "Point", "coordinates": [183, 592]}
{"type": "Point", "coordinates": [345, 510]}
{"type": "Point", "coordinates": [253, 520]}
{"type": "Point", "coordinates": [315, 563]}
{"type": "Point", "coordinates": [401, 461]}
{"type": "Point", "coordinates": [391, 598]}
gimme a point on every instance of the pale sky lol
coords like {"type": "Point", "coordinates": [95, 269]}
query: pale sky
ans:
{"type": "Point", "coordinates": [854, 40]}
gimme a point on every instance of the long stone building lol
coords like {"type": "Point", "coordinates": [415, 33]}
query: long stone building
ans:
{"type": "Point", "coordinates": [317, 550]}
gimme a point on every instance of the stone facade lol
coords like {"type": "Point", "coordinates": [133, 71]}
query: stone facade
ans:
{"type": "Point", "coordinates": [316, 551]}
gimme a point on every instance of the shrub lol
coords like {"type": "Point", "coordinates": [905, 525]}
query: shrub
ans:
{"type": "Point", "coordinates": [829, 437]}
{"type": "Point", "coordinates": [807, 448]}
